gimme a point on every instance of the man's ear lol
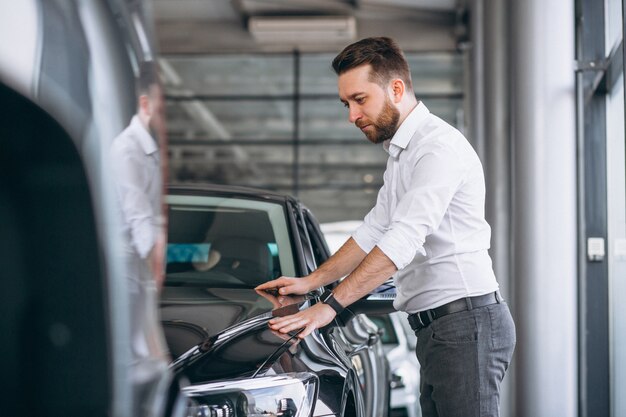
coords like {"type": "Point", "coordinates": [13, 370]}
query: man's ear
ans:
{"type": "Point", "coordinates": [397, 89]}
{"type": "Point", "coordinates": [144, 105]}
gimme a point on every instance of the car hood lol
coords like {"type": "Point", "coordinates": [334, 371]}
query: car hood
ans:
{"type": "Point", "coordinates": [216, 333]}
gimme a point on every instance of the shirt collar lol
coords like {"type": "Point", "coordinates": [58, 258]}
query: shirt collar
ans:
{"type": "Point", "coordinates": [407, 129]}
{"type": "Point", "coordinates": [147, 143]}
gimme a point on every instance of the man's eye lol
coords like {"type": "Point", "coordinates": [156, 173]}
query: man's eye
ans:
{"type": "Point", "coordinates": [359, 100]}
{"type": "Point", "coordinates": [346, 105]}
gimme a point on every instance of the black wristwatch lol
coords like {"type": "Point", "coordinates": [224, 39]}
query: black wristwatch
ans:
{"type": "Point", "coordinates": [328, 298]}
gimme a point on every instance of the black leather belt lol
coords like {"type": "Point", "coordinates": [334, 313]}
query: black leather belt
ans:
{"type": "Point", "coordinates": [423, 319]}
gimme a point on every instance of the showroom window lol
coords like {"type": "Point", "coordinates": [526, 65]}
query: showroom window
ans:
{"type": "Point", "coordinates": [602, 197]}
{"type": "Point", "coordinates": [274, 121]}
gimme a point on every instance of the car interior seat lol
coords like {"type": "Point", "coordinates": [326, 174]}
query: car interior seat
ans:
{"type": "Point", "coordinates": [249, 260]}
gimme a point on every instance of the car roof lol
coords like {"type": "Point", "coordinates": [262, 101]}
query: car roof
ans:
{"type": "Point", "coordinates": [229, 191]}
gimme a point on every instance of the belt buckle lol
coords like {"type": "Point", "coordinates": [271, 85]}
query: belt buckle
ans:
{"type": "Point", "coordinates": [419, 317]}
{"type": "Point", "coordinates": [430, 316]}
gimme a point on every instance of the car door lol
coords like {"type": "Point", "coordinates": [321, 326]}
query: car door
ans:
{"type": "Point", "coordinates": [364, 346]}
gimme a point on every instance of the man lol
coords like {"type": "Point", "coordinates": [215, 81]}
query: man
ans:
{"type": "Point", "coordinates": [428, 230]}
{"type": "Point", "coordinates": [136, 166]}
{"type": "Point", "coordinates": [137, 170]}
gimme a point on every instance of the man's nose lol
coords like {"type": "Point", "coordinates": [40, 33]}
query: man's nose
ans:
{"type": "Point", "coordinates": [354, 114]}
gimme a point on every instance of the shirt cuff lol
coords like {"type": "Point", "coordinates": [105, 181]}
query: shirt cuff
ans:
{"type": "Point", "coordinates": [401, 246]}
{"type": "Point", "coordinates": [365, 238]}
{"type": "Point", "coordinates": [144, 236]}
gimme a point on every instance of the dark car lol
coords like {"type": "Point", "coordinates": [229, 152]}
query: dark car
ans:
{"type": "Point", "coordinates": [223, 242]}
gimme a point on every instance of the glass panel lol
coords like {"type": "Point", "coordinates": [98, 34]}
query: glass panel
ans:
{"type": "Point", "coordinates": [317, 75]}
{"type": "Point", "coordinates": [339, 178]}
{"type": "Point", "coordinates": [432, 73]}
{"type": "Point", "coordinates": [336, 204]}
{"type": "Point", "coordinates": [326, 119]}
{"type": "Point", "coordinates": [343, 166]}
{"type": "Point", "coordinates": [450, 110]}
{"type": "Point", "coordinates": [436, 73]}
{"type": "Point", "coordinates": [241, 119]}
{"type": "Point", "coordinates": [253, 166]}
{"type": "Point", "coordinates": [613, 24]}
{"type": "Point", "coordinates": [231, 75]}
{"type": "Point", "coordinates": [226, 242]}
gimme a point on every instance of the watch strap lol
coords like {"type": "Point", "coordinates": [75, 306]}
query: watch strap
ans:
{"type": "Point", "coordinates": [328, 298]}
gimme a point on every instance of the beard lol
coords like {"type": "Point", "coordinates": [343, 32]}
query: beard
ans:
{"type": "Point", "coordinates": [385, 126]}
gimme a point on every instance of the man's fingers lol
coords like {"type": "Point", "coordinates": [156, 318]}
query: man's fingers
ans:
{"type": "Point", "coordinates": [284, 290]}
{"type": "Point", "coordinates": [307, 331]}
{"type": "Point", "coordinates": [268, 285]}
{"type": "Point", "coordinates": [276, 283]}
{"type": "Point", "coordinates": [307, 320]}
{"type": "Point", "coordinates": [283, 321]}
{"type": "Point", "coordinates": [286, 328]}
{"type": "Point", "coordinates": [289, 323]}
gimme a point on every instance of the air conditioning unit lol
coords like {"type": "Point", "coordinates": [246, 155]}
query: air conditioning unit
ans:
{"type": "Point", "coordinates": [302, 29]}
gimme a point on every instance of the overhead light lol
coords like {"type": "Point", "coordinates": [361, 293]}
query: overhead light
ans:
{"type": "Point", "coordinates": [305, 29]}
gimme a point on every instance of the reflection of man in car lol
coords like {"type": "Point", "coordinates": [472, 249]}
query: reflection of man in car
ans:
{"type": "Point", "coordinates": [137, 169]}
{"type": "Point", "coordinates": [136, 166]}
{"type": "Point", "coordinates": [428, 230]}
{"type": "Point", "coordinates": [280, 301]}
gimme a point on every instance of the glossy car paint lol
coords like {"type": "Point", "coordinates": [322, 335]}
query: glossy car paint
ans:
{"type": "Point", "coordinates": [222, 333]}
{"type": "Point", "coordinates": [67, 66]}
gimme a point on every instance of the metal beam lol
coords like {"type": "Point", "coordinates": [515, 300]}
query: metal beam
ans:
{"type": "Point", "coordinates": [286, 97]}
{"type": "Point", "coordinates": [201, 142]}
{"type": "Point", "coordinates": [607, 71]}
{"type": "Point", "coordinates": [593, 340]}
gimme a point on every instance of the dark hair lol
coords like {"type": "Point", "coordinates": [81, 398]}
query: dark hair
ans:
{"type": "Point", "coordinates": [146, 77]}
{"type": "Point", "coordinates": [383, 54]}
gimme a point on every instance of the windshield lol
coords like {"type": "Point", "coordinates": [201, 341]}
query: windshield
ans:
{"type": "Point", "coordinates": [226, 242]}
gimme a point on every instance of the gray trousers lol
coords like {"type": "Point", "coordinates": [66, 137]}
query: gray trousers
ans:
{"type": "Point", "coordinates": [463, 358]}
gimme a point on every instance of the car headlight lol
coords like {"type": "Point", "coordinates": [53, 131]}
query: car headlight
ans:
{"type": "Point", "coordinates": [287, 395]}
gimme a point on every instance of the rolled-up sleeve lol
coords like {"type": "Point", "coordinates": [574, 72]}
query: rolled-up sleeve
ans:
{"type": "Point", "coordinates": [435, 178]}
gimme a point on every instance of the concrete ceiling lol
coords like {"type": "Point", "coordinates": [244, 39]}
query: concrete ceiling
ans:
{"type": "Point", "coordinates": [206, 26]}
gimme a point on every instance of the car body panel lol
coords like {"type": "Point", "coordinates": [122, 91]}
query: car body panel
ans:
{"type": "Point", "coordinates": [220, 331]}
{"type": "Point", "coordinates": [75, 61]}
{"type": "Point", "coordinates": [399, 344]}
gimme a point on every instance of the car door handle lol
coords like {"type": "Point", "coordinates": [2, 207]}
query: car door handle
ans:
{"type": "Point", "coordinates": [373, 339]}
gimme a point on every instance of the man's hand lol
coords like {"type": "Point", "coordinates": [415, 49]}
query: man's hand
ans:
{"type": "Point", "coordinates": [281, 300]}
{"type": "Point", "coordinates": [156, 259]}
{"type": "Point", "coordinates": [310, 319]}
{"type": "Point", "coordinates": [288, 285]}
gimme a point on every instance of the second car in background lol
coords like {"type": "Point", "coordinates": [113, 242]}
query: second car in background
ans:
{"type": "Point", "coordinates": [398, 338]}
{"type": "Point", "coordinates": [399, 343]}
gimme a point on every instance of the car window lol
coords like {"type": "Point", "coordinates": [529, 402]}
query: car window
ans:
{"type": "Point", "coordinates": [318, 244]}
{"type": "Point", "coordinates": [389, 336]}
{"type": "Point", "coordinates": [226, 242]}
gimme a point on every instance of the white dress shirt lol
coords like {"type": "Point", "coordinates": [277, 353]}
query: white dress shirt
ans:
{"type": "Point", "coordinates": [429, 217]}
{"type": "Point", "coordinates": [137, 169]}
{"type": "Point", "coordinates": [136, 166]}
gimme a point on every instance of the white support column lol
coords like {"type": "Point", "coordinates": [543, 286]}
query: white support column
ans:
{"type": "Point", "coordinates": [497, 158]}
{"type": "Point", "coordinates": [544, 207]}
